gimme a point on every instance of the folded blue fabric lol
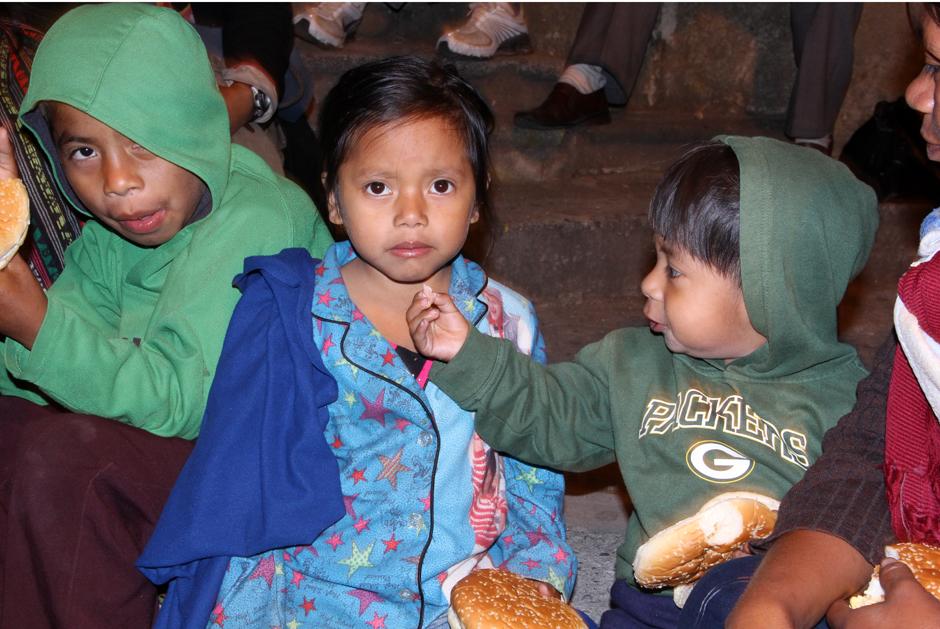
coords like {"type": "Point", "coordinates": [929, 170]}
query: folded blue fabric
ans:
{"type": "Point", "coordinates": [261, 475]}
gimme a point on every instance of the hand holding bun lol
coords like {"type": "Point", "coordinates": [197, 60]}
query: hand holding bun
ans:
{"type": "Point", "coordinates": [924, 562]}
{"type": "Point", "coordinates": [14, 218]}
{"type": "Point", "coordinates": [681, 553]}
{"type": "Point", "coordinates": [498, 599]}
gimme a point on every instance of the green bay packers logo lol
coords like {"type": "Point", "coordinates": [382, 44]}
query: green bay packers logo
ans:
{"type": "Point", "coordinates": [716, 462]}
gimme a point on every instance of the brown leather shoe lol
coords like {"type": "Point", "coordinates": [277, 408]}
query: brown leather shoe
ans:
{"type": "Point", "coordinates": [565, 107]}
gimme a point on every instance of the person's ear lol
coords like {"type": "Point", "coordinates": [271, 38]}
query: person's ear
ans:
{"type": "Point", "coordinates": [332, 204]}
{"type": "Point", "coordinates": [475, 213]}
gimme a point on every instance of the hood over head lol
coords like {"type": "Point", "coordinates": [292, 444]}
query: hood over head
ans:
{"type": "Point", "coordinates": [143, 71]}
{"type": "Point", "coordinates": [807, 226]}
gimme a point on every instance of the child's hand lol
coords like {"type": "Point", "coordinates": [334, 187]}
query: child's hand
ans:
{"type": "Point", "coordinates": [547, 591]}
{"type": "Point", "coordinates": [22, 303]}
{"type": "Point", "coordinates": [907, 604]}
{"type": "Point", "coordinates": [8, 167]}
{"type": "Point", "coordinates": [437, 327]}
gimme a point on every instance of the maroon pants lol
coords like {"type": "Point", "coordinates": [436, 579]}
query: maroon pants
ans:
{"type": "Point", "coordinates": [79, 497]}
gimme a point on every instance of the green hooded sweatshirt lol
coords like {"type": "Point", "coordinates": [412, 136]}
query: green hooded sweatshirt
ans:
{"type": "Point", "coordinates": [134, 333]}
{"type": "Point", "coordinates": [684, 430]}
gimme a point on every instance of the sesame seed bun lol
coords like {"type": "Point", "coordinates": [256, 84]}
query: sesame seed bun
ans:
{"type": "Point", "coordinates": [499, 599]}
{"type": "Point", "coordinates": [681, 553]}
{"type": "Point", "coordinates": [14, 218]}
{"type": "Point", "coordinates": [924, 562]}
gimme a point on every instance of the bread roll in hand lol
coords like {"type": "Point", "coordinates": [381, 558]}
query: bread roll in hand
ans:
{"type": "Point", "coordinates": [14, 218]}
{"type": "Point", "coordinates": [924, 562]}
{"type": "Point", "coordinates": [499, 599]}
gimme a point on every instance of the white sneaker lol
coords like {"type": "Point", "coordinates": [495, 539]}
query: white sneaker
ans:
{"type": "Point", "coordinates": [491, 27]}
{"type": "Point", "coordinates": [327, 23]}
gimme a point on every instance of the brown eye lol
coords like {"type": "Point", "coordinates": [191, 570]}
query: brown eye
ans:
{"type": "Point", "coordinates": [442, 186]}
{"type": "Point", "coordinates": [377, 188]}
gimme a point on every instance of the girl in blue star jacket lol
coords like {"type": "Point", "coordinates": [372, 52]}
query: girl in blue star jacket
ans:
{"type": "Point", "coordinates": [426, 501]}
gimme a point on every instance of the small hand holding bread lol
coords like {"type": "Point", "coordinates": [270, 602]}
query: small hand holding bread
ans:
{"type": "Point", "coordinates": [14, 218]}
{"type": "Point", "coordinates": [498, 599]}
{"type": "Point", "coordinates": [924, 562]}
{"type": "Point", "coordinates": [681, 553]}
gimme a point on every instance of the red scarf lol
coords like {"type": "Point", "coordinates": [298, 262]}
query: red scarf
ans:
{"type": "Point", "coordinates": [912, 433]}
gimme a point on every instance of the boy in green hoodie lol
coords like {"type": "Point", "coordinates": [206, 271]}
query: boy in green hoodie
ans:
{"type": "Point", "coordinates": [124, 103]}
{"type": "Point", "coordinates": [739, 374]}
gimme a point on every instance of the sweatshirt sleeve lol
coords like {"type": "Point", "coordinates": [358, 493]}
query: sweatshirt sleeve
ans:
{"type": "Point", "coordinates": [557, 416]}
{"type": "Point", "coordinates": [84, 360]}
{"type": "Point", "coordinates": [843, 493]}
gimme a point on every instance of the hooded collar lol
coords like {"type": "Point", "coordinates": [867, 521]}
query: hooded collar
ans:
{"type": "Point", "coordinates": [143, 71]}
{"type": "Point", "coordinates": [807, 226]}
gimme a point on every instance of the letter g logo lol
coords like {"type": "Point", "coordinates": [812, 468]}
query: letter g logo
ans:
{"type": "Point", "coordinates": [717, 463]}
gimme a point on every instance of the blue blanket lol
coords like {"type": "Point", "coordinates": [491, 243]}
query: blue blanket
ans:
{"type": "Point", "coordinates": [261, 475]}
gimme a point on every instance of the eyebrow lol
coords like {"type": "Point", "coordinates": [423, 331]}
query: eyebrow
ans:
{"type": "Point", "coordinates": [63, 139]}
{"type": "Point", "coordinates": [666, 248]}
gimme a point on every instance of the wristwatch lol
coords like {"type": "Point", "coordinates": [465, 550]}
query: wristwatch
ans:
{"type": "Point", "coordinates": [261, 103]}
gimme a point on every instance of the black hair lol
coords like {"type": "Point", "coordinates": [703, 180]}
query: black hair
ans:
{"type": "Point", "coordinates": [398, 89]}
{"type": "Point", "coordinates": [917, 12]}
{"type": "Point", "coordinates": [697, 207]}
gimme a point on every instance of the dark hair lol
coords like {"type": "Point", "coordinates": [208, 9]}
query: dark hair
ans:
{"type": "Point", "coordinates": [697, 207]}
{"type": "Point", "coordinates": [917, 12]}
{"type": "Point", "coordinates": [397, 89]}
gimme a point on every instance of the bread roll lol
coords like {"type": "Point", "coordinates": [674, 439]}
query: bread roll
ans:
{"type": "Point", "coordinates": [924, 562]}
{"type": "Point", "coordinates": [14, 218]}
{"type": "Point", "coordinates": [498, 599]}
{"type": "Point", "coordinates": [682, 553]}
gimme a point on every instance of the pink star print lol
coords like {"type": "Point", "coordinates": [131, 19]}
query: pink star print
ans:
{"type": "Point", "coordinates": [388, 358]}
{"type": "Point", "coordinates": [327, 344]}
{"type": "Point", "coordinates": [219, 613]}
{"type": "Point", "coordinates": [336, 539]}
{"type": "Point", "coordinates": [308, 606]}
{"type": "Point", "coordinates": [391, 543]}
{"type": "Point", "coordinates": [297, 578]}
{"type": "Point", "coordinates": [375, 410]}
{"type": "Point", "coordinates": [265, 570]}
{"type": "Point", "coordinates": [325, 298]}
{"type": "Point", "coordinates": [531, 564]}
{"type": "Point", "coordinates": [361, 525]}
{"type": "Point", "coordinates": [426, 501]}
{"type": "Point", "coordinates": [357, 315]}
{"type": "Point", "coordinates": [560, 555]}
{"type": "Point", "coordinates": [537, 536]}
{"type": "Point", "coordinates": [366, 598]}
{"type": "Point", "coordinates": [377, 622]}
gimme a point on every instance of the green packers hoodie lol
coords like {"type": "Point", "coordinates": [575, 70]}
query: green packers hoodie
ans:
{"type": "Point", "coordinates": [133, 333]}
{"type": "Point", "coordinates": [683, 429]}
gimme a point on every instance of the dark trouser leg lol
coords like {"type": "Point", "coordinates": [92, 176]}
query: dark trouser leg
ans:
{"type": "Point", "coordinates": [614, 36]}
{"type": "Point", "coordinates": [633, 609]}
{"type": "Point", "coordinates": [823, 43]}
{"type": "Point", "coordinates": [79, 503]}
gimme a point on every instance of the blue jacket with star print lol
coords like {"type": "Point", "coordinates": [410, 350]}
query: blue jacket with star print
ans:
{"type": "Point", "coordinates": [427, 501]}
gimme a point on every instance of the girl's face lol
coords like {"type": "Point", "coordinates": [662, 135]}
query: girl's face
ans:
{"type": "Point", "coordinates": [922, 92]}
{"type": "Point", "coordinates": [406, 197]}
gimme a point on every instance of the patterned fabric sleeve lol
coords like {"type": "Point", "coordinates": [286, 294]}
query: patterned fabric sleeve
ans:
{"type": "Point", "coordinates": [534, 543]}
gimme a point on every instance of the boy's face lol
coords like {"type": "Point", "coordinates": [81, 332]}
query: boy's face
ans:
{"type": "Point", "coordinates": [699, 311]}
{"type": "Point", "coordinates": [142, 197]}
{"type": "Point", "coordinates": [922, 92]}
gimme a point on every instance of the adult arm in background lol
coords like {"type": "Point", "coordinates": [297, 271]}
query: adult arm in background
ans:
{"type": "Point", "coordinates": [257, 39]}
{"type": "Point", "coordinates": [832, 525]}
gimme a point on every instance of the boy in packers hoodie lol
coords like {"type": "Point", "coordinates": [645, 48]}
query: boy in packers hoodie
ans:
{"type": "Point", "coordinates": [123, 101]}
{"type": "Point", "coordinates": [739, 374]}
